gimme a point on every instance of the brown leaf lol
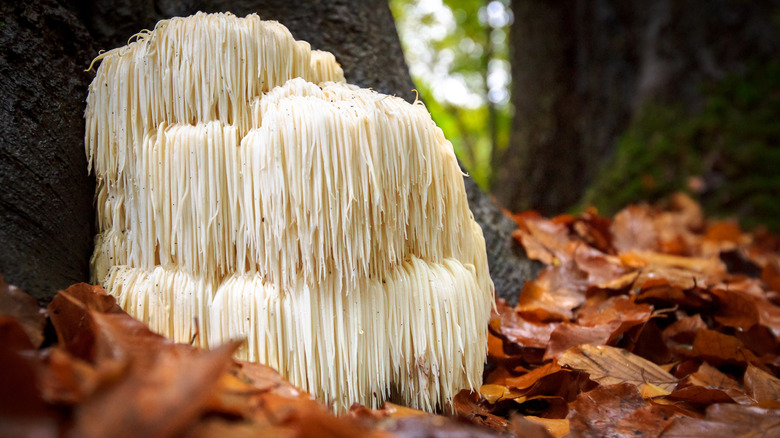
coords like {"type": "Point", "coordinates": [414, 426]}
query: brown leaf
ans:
{"type": "Point", "coordinates": [159, 399]}
{"type": "Point", "coordinates": [736, 309]}
{"type": "Point", "coordinates": [650, 344]}
{"type": "Point", "coordinates": [633, 229]}
{"type": "Point", "coordinates": [617, 410]}
{"type": "Point", "coordinates": [494, 393]}
{"type": "Point", "coordinates": [527, 427]}
{"type": "Point", "coordinates": [761, 385]}
{"type": "Point", "coordinates": [68, 313]}
{"type": "Point", "coordinates": [619, 308]}
{"type": "Point", "coordinates": [468, 407]}
{"type": "Point", "coordinates": [434, 426]}
{"type": "Point", "coordinates": [708, 266]}
{"type": "Point", "coordinates": [707, 386]}
{"type": "Point", "coordinates": [13, 335]}
{"type": "Point", "coordinates": [527, 380]}
{"type": "Point", "coordinates": [725, 420]}
{"type": "Point", "coordinates": [771, 276]}
{"type": "Point", "coordinates": [67, 380]}
{"type": "Point", "coordinates": [683, 331]}
{"type": "Point", "coordinates": [718, 348]}
{"type": "Point", "coordinates": [568, 335]}
{"type": "Point", "coordinates": [15, 303]}
{"type": "Point", "coordinates": [523, 332]}
{"type": "Point", "coordinates": [600, 267]}
{"type": "Point", "coordinates": [554, 295]}
{"type": "Point", "coordinates": [609, 366]}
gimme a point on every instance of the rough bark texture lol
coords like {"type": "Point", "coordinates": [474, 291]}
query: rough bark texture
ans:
{"type": "Point", "coordinates": [45, 193]}
{"type": "Point", "coordinates": [45, 206]}
{"type": "Point", "coordinates": [582, 69]}
{"type": "Point", "coordinates": [361, 34]}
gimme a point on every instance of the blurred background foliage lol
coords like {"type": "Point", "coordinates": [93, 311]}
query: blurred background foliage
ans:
{"type": "Point", "coordinates": [457, 51]}
{"type": "Point", "coordinates": [658, 97]}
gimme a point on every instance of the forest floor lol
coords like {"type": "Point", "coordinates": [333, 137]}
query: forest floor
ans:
{"type": "Point", "coordinates": [657, 322]}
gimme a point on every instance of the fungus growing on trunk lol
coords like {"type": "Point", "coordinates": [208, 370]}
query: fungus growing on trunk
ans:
{"type": "Point", "coordinates": [245, 191]}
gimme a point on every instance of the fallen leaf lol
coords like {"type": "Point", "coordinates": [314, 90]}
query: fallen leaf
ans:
{"type": "Point", "coordinates": [555, 293]}
{"type": "Point", "coordinates": [617, 410]}
{"type": "Point", "coordinates": [468, 407]}
{"type": "Point", "coordinates": [700, 265]}
{"type": "Point", "coordinates": [619, 308]}
{"type": "Point", "coordinates": [683, 331]}
{"type": "Point", "coordinates": [718, 348]}
{"type": "Point", "coordinates": [649, 390]}
{"type": "Point", "coordinates": [736, 309]}
{"type": "Point", "coordinates": [529, 379]}
{"type": "Point", "coordinates": [68, 314]}
{"type": "Point", "coordinates": [555, 427]}
{"type": "Point", "coordinates": [708, 385]}
{"type": "Point", "coordinates": [728, 420]}
{"type": "Point", "coordinates": [761, 385]}
{"type": "Point", "coordinates": [15, 303]}
{"type": "Point", "coordinates": [494, 393]}
{"type": "Point", "coordinates": [633, 229]}
{"type": "Point", "coordinates": [568, 335]}
{"type": "Point", "coordinates": [771, 276]}
{"type": "Point", "coordinates": [523, 332]}
{"type": "Point", "coordinates": [609, 366]}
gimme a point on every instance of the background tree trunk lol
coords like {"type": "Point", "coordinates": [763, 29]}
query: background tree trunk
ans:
{"type": "Point", "coordinates": [582, 70]}
{"type": "Point", "coordinates": [47, 227]}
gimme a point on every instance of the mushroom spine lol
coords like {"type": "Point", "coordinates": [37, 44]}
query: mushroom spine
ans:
{"type": "Point", "coordinates": [244, 190]}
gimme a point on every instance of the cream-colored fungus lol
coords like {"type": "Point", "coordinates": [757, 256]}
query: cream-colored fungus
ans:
{"type": "Point", "coordinates": [245, 191]}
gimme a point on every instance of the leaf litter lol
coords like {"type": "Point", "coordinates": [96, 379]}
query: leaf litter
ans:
{"type": "Point", "coordinates": [656, 322]}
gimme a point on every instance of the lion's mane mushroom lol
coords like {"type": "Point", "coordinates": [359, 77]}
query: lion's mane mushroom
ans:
{"type": "Point", "coordinates": [244, 190]}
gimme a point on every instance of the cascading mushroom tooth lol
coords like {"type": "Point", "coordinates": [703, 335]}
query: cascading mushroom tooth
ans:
{"type": "Point", "coordinates": [248, 192]}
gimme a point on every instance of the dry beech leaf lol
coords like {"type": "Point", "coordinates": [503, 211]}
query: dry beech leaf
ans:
{"type": "Point", "coordinates": [728, 420]}
{"type": "Point", "coordinates": [617, 410]}
{"type": "Point", "coordinates": [556, 427]}
{"type": "Point", "coordinates": [718, 348]}
{"type": "Point", "coordinates": [633, 229]}
{"type": "Point", "coordinates": [701, 265]}
{"type": "Point", "coordinates": [15, 303]}
{"type": "Point", "coordinates": [494, 393]}
{"type": "Point", "coordinates": [521, 331]}
{"type": "Point", "coordinates": [608, 366]}
{"type": "Point", "coordinates": [761, 385]}
{"type": "Point", "coordinates": [568, 335]}
{"type": "Point", "coordinates": [649, 390]}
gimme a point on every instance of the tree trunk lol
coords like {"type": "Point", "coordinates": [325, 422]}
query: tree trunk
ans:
{"type": "Point", "coordinates": [46, 213]}
{"type": "Point", "coordinates": [542, 166]}
{"type": "Point", "coordinates": [583, 69]}
{"type": "Point", "coordinates": [48, 243]}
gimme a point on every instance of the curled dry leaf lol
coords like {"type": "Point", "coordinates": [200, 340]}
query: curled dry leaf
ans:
{"type": "Point", "coordinates": [707, 386]}
{"type": "Point", "coordinates": [17, 304]}
{"type": "Point", "coordinates": [617, 410]}
{"type": "Point", "coordinates": [728, 420]}
{"type": "Point", "coordinates": [522, 331]}
{"type": "Point", "coordinates": [718, 348]}
{"type": "Point", "coordinates": [553, 427]}
{"type": "Point", "coordinates": [760, 385]}
{"type": "Point", "coordinates": [609, 366]}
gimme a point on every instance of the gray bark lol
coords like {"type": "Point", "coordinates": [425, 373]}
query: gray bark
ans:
{"type": "Point", "coordinates": [45, 194]}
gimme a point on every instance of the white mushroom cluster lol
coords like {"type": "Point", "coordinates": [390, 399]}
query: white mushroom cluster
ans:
{"type": "Point", "coordinates": [245, 191]}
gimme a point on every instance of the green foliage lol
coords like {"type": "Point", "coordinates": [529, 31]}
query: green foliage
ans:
{"type": "Point", "coordinates": [463, 49]}
{"type": "Point", "coordinates": [727, 154]}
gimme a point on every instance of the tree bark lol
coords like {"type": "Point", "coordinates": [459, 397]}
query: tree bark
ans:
{"type": "Point", "coordinates": [46, 212]}
{"type": "Point", "coordinates": [47, 236]}
{"type": "Point", "coordinates": [582, 69]}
